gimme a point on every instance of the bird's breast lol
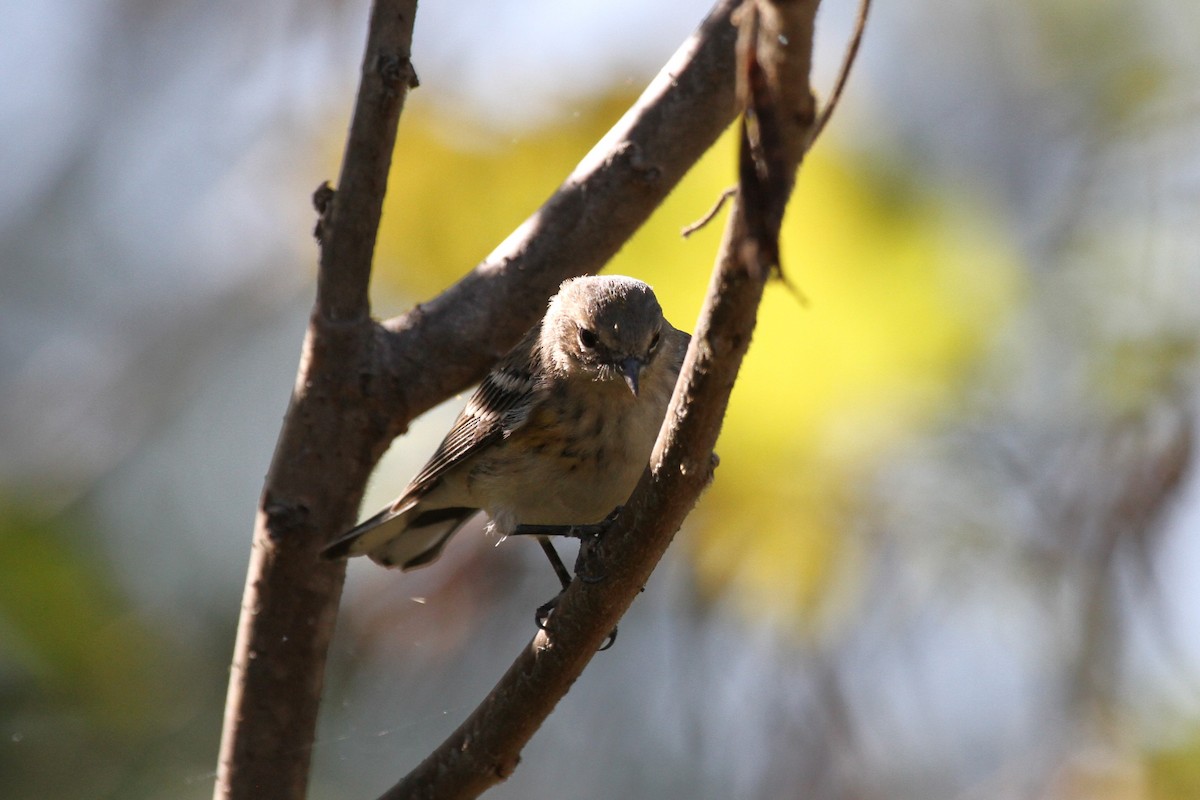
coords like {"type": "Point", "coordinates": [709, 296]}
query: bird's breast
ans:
{"type": "Point", "coordinates": [573, 461]}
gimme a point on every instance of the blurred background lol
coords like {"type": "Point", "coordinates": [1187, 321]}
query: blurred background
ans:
{"type": "Point", "coordinates": [951, 547]}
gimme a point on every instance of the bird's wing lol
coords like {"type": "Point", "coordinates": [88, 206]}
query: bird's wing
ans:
{"type": "Point", "coordinates": [499, 406]}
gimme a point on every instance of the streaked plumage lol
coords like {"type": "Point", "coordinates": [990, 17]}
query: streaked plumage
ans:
{"type": "Point", "coordinates": [558, 433]}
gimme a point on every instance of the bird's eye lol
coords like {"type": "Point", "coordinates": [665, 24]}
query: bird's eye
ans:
{"type": "Point", "coordinates": [588, 338]}
{"type": "Point", "coordinates": [654, 341]}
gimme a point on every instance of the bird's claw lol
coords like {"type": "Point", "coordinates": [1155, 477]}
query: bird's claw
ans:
{"type": "Point", "coordinates": [541, 618]}
{"type": "Point", "coordinates": [609, 642]}
{"type": "Point", "coordinates": [590, 537]}
{"type": "Point", "coordinates": [587, 554]}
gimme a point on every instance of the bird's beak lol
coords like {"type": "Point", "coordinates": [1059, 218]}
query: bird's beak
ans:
{"type": "Point", "coordinates": [631, 370]}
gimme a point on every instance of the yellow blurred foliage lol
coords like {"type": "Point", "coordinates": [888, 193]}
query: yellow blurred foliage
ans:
{"type": "Point", "coordinates": [1174, 773]}
{"type": "Point", "coordinates": [903, 289]}
{"type": "Point", "coordinates": [458, 189]}
{"type": "Point", "coordinates": [900, 289]}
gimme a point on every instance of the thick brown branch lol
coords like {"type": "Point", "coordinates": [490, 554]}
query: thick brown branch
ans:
{"type": "Point", "coordinates": [486, 747]}
{"type": "Point", "coordinates": [330, 438]}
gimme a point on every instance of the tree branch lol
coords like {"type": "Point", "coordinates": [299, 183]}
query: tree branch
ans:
{"type": "Point", "coordinates": [330, 429]}
{"type": "Point", "coordinates": [356, 208]}
{"type": "Point", "coordinates": [776, 42]}
{"type": "Point", "coordinates": [360, 383]}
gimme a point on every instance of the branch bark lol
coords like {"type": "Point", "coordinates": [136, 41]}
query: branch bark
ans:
{"type": "Point", "coordinates": [360, 382]}
{"type": "Point", "coordinates": [775, 43]}
{"type": "Point", "coordinates": [289, 604]}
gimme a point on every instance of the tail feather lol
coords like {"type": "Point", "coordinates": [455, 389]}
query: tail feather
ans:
{"type": "Point", "coordinates": [408, 539]}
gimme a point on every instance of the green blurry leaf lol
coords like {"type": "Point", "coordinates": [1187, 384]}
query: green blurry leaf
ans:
{"type": "Point", "coordinates": [66, 630]}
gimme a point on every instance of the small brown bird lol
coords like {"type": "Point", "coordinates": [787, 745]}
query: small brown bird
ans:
{"type": "Point", "coordinates": [558, 433]}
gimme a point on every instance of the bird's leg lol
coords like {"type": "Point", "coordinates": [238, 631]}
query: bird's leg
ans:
{"type": "Point", "coordinates": [542, 615]}
{"type": "Point", "coordinates": [541, 618]}
{"type": "Point", "coordinates": [588, 555]}
{"type": "Point", "coordinates": [589, 531]}
{"type": "Point", "coordinates": [588, 534]}
{"type": "Point", "coordinates": [560, 569]}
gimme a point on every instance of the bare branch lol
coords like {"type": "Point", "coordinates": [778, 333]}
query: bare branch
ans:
{"type": "Point", "coordinates": [486, 747]}
{"type": "Point", "coordinates": [353, 215]}
{"type": "Point", "coordinates": [290, 599]}
{"type": "Point", "coordinates": [848, 59]}
{"type": "Point", "coordinates": [722, 199]}
{"type": "Point", "coordinates": [839, 86]}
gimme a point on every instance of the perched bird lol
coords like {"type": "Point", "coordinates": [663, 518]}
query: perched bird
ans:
{"type": "Point", "coordinates": [558, 433]}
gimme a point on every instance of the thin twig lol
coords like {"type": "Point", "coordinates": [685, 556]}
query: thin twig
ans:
{"type": "Point", "coordinates": [724, 198]}
{"type": "Point", "coordinates": [848, 59]}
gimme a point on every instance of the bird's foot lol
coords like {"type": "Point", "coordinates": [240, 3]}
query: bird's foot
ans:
{"type": "Point", "coordinates": [588, 559]}
{"type": "Point", "coordinates": [587, 531]}
{"type": "Point", "coordinates": [541, 618]}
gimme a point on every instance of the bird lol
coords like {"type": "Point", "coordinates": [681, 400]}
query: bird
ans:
{"type": "Point", "coordinates": [557, 434]}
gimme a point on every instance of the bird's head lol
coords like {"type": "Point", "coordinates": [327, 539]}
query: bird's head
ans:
{"type": "Point", "coordinates": [607, 326]}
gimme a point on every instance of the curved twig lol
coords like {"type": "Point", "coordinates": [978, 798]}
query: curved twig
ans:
{"type": "Point", "coordinates": [848, 58]}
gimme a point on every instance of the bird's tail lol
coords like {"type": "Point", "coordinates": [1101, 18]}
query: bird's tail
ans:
{"type": "Point", "coordinates": [407, 538]}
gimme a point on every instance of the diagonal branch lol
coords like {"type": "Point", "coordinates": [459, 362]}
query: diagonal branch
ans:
{"type": "Point", "coordinates": [776, 41]}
